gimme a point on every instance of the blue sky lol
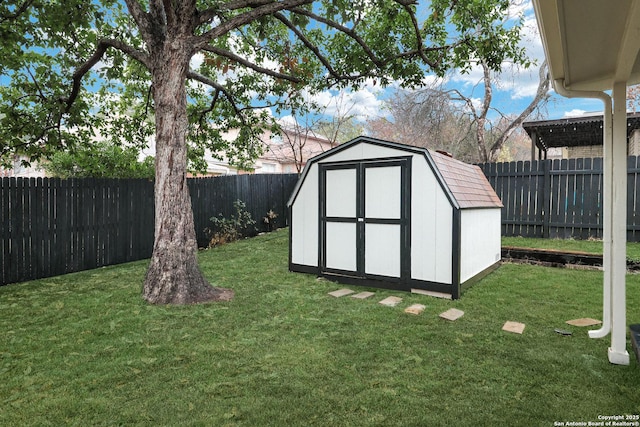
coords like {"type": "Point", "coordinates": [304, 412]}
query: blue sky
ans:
{"type": "Point", "coordinates": [513, 91]}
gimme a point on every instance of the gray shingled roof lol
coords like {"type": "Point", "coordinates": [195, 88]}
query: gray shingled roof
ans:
{"type": "Point", "coordinates": [467, 183]}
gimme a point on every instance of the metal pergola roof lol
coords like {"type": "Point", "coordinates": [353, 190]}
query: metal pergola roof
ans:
{"type": "Point", "coordinates": [573, 132]}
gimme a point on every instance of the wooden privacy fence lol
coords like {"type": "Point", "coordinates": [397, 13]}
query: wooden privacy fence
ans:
{"type": "Point", "coordinates": [261, 193]}
{"type": "Point", "coordinates": [52, 226]}
{"type": "Point", "coordinates": [559, 198]}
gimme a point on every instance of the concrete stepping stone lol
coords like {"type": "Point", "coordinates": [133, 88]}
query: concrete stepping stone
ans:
{"type": "Point", "coordinates": [515, 327]}
{"type": "Point", "coordinates": [415, 309]}
{"type": "Point", "coordinates": [452, 314]}
{"type": "Point", "coordinates": [390, 301]}
{"type": "Point", "coordinates": [363, 295]}
{"type": "Point", "coordinates": [341, 292]}
{"type": "Point", "coordinates": [584, 322]}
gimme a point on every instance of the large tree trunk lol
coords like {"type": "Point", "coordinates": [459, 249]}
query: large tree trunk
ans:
{"type": "Point", "coordinates": [173, 276]}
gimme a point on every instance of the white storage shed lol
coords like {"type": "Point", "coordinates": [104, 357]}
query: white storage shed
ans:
{"type": "Point", "coordinates": [377, 213]}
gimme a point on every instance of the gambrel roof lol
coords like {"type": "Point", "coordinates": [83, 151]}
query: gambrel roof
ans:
{"type": "Point", "coordinates": [465, 184]}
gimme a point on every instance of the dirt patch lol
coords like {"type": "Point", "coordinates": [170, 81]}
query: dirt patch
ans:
{"type": "Point", "coordinates": [555, 258]}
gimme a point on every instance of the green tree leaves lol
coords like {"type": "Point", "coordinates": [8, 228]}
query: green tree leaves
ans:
{"type": "Point", "coordinates": [100, 160]}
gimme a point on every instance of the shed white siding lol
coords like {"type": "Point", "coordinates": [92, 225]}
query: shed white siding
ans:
{"type": "Point", "coordinates": [304, 222]}
{"type": "Point", "coordinates": [431, 226]}
{"type": "Point", "coordinates": [480, 241]}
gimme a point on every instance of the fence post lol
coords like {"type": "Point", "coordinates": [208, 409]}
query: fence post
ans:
{"type": "Point", "coordinates": [546, 188]}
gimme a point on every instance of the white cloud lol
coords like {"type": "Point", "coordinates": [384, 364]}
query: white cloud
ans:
{"type": "Point", "coordinates": [362, 103]}
{"type": "Point", "coordinates": [477, 103]}
{"type": "Point", "coordinates": [196, 61]}
{"type": "Point", "coordinates": [519, 82]}
{"type": "Point", "coordinates": [288, 121]}
{"type": "Point", "coordinates": [576, 112]}
{"type": "Point", "coordinates": [431, 80]}
{"type": "Point", "coordinates": [519, 8]}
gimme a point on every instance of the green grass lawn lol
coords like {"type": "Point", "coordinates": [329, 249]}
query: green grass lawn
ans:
{"type": "Point", "coordinates": [84, 349]}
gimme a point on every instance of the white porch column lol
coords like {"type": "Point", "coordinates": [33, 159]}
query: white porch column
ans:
{"type": "Point", "coordinates": [617, 352]}
{"type": "Point", "coordinates": [607, 219]}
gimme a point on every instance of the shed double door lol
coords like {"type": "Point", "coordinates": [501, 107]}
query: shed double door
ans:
{"type": "Point", "coordinates": [364, 221]}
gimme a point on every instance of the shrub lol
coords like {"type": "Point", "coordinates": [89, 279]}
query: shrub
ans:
{"type": "Point", "coordinates": [270, 220]}
{"type": "Point", "coordinates": [227, 230]}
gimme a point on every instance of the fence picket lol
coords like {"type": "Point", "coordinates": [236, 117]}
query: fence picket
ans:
{"type": "Point", "coordinates": [60, 240]}
{"type": "Point", "coordinates": [4, 223]}
{"type": "Point", "coordinates": [587, 207]}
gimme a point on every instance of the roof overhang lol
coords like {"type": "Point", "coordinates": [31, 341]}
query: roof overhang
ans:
{"type": "Point", "coordinates": [583, 48]}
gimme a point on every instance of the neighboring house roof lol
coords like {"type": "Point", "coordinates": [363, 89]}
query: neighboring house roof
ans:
{"type": "Point", "coordinates": [296, 147]}
{"type": "Point", "coordinates": [466, 185]}
{"type": "Point", "coordinates": [275, 152]}
{"type": "Point", "coordinates": [573, 132]}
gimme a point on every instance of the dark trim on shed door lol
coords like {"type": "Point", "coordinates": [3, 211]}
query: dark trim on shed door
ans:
{"type": "Point", "coordinates": [361, 219]}
{"type": "Point", "coordinates": [456, 251]}
{"type": "Point", "coordinates": [322, 207]}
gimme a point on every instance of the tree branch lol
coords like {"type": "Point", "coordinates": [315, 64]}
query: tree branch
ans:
{"type": "Point", "coordinates": [102, 47]}
{"type": "Point", "coordinates": [219, 89]}
{"type": "Point", "coordinates": [208, 14]}
{"type": "Point", "coordinates": [261, 8]}
{"type": "Point", "coordinates": [211, 107]}
{"type": "Point", "coordinates": [19, 11]}
{"type": "Point", "coordinates": [466, 100]}
{"type": "Point", "coordinates": [348, 31]}
{"type": "Point", "coordinates": [488, 91]}
{"type": "Point", "coordinates": [420, 51]}
{"type": "Point", "coordinates": [313, 48]}
{"type": "Point", "coordinates": [139, 16]}
{"type": "Point", "coordinates": [264, 9]}
{"type": "Point", "coordinates": [164, 7]}
{"type": "Point", "coordinates": [232, 56]}
{"type": "Point", "coordinates": [35, 83]}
